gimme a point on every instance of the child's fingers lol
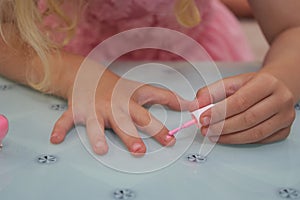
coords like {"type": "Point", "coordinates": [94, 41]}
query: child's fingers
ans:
{"type": "Point", "coordinates": [150, 125]}
{"type": "Point", "coordinates": [256, 89]}
{"type": "Point", "coordinates": [126, 130]}
{"type": "Point", "coordinates": [220, 90]}
{"type": "Point", "coordinates": [62, 127]}
{"type": "Point", "coordinates": [153, 95]}
{"type": "Point", "coordinates": [253, 116]}
{"type": "Point", "coordinates": [255, 134]}
{"type": "Point", "coordinates": [280, 135]}
{"type": "Point", "coordinates": [95, 132]}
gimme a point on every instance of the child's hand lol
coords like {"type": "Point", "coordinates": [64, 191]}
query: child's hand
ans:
{"type": "Point", "coordinates": [118, 105]}
{"type": "Point", "coordinates": [259, 109]}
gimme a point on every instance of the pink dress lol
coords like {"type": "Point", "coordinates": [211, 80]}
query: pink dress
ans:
{"type": "Point", "coordinates": [219, 31]}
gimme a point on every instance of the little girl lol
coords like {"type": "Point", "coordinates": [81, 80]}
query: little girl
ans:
{"type": "Point", "coordinates": [259, 105]}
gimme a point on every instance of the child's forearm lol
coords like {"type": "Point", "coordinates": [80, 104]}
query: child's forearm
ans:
{"type": "Point", "coordinates": [240, 8]}
{"type": "Point", "coordinates": [21, 66]}
{"type": "Point", "coordinates": [283, 59]}
{"type": "Point", "coordinates": [12, 63]}
{"type": "Point", "coordinates": [63, 68]}
{"type": "Point", "coordinates": [280, 24]}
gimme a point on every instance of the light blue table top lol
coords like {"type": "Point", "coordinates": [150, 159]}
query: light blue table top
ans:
{"type": "Point", "coordinates": [32, 168]}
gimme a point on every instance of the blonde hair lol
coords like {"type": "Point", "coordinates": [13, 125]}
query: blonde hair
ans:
{"type": "Point", "coordinates": [26, 21]}
{"type": "Point", "coordinates": [187, 13]}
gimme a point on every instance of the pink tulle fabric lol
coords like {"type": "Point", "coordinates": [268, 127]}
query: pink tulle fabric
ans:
{"type": "Point", "coordinates": [219, 31]}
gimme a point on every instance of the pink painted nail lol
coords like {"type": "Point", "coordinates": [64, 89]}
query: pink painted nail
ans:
{"type": "Point", "coordinates": [136, 147]}
{"type": "Point", "coordinates": [56, 136]}
{"type": "Point", "coordinates": [168, 138]}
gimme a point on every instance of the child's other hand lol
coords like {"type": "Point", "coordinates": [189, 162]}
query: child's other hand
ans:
{"type": "Point", "coordinates": [259, 109]}
{"type": "Point", "coordinates": [119, 106]}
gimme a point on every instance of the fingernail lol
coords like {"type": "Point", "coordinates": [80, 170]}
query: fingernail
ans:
{"type": "Point", "coordinates": [205, 121]}
{"type": "Point", "coordinates": [168, 138]}
{"type": "Point", "coordinates": [136, 147]}
{"type": "Point", "coordinates": [56, 137]}
{"type": "Point", "coordinates": [99, 144]}
{"type": "Point", "coordinates": [100, 148]}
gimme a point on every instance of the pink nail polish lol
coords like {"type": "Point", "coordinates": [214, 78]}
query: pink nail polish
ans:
{"type": "Point", "coordinates": [136, 147]}
{"type": "Point", "coordinates": [195, 115]}
{"type": "Point", "coordinates": [55, 136]}
{"type": "Point", "coordinates": [3, 128]}
{"type": "Point", "coordinates": [168, 138]}
{"type": "Point", "coordinates": [185, 125]}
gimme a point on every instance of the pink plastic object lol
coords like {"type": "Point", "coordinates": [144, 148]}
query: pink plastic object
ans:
{"type": "Point", "coordinates": [195, 115]}
{"type": "Point", "coordinates": [185, 125]}
{"type": "Point", "coordinates": [3, 128]}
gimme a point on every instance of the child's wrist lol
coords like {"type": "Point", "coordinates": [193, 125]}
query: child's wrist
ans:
{"type": "Point", "coordinates": [64, 75]}
{"type": "Point", "coordinates": [58, 76]}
